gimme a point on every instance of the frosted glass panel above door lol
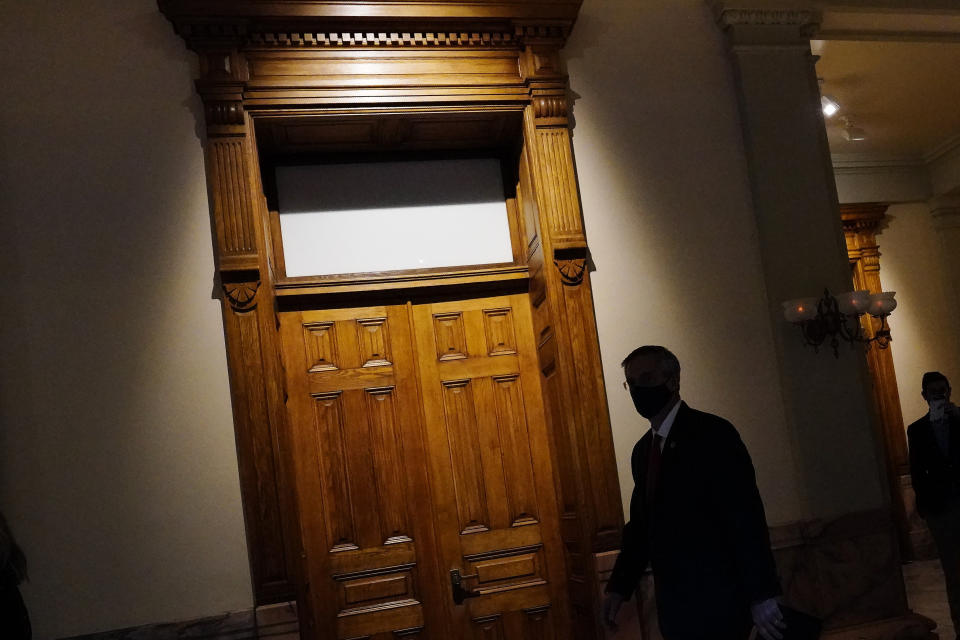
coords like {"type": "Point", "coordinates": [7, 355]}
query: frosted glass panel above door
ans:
{"type": "Point", "coordinates": [386, 216]}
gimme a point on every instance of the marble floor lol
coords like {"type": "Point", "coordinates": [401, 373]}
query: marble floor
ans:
{"type": "Point", "coordinates": [928, 595]}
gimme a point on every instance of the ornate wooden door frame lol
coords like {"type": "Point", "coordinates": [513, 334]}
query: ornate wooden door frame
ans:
{"type": "Point", "coordinates": [392, 65]}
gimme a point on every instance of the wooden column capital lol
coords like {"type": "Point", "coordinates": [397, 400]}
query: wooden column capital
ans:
{"type": "Point", "coordinates": [861, 223]}
{"type": "Point", "coordinates": [863, 217]}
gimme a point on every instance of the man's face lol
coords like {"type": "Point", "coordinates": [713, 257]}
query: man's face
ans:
{"type": "Point", "coordinates": [650, 388]}
{"type": "Point", "coordinates": [644, 371]}
{"type": "Point", "coordinates": [938, 390]}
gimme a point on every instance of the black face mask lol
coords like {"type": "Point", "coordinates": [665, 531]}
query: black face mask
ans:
{"type": "Point", "coordinates": [650, 401]}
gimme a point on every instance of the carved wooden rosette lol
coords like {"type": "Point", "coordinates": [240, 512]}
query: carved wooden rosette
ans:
{"type": "Point", "coordinates": [393, 83]}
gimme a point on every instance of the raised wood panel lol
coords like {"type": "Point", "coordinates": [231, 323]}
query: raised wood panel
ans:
{"type": "Point", "coordinates": [349, 379]}
{"type": "Point", "coordinates": [332, 468]}
{"type": "Point", "coordinates": [488, 628]}
{"type": "Point", "coordinates": [376, 589]}
{"type": "Point", "coordinates": [464, 449]}
{"type": "Point", "coordinates": [496, 570]}
{"type": "Point", "coordinates": [388, 456]}
{"type": "Point", "coordinates": [321, 341]}
{"type": "Point", "coordinates": [538, 623]}
{"type": "Point", "coordinates": [503, 365]}
{"type": "Point", "coordinates": [481, 543]}
{"type": "Point", "coordinates": [514, 446]}
{"type": "Point", "coordinates": [500, 335]}
{"type": "Point", "coordinates": [513, 598]}
{"type": "Point", "coordinates": [366, 621]}
{"type": "Point", "coordinates": [374, 342]}
{"type": "Point", "coordinates": [450, 337]}
{"type": "Point", "coordinates": [349, 564]}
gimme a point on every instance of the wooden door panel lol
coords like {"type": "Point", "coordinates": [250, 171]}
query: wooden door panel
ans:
{"type": "Point", "coordinates": [481, 400]}
{"type": "Point", "coordinates": [357, 429]}
{"type": "Point", "coordinates": [421, 447]}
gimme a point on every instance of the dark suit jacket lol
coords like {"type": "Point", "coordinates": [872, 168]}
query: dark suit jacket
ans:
{"type": "Point", "coordinates": [934, 474]}
{"type": "Point", "coordinates": [705, 534]}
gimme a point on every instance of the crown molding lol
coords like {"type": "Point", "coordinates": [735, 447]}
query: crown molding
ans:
{"type": "Point", "coordinates": [856, 163]}
{"type": "Point", "coordinates": [336, 23]}
{"type": "Point", "coordinates": [908, 20]}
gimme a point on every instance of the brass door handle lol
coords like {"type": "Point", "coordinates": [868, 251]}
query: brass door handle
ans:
{"type": "Point", "coordinates": [456, 584]}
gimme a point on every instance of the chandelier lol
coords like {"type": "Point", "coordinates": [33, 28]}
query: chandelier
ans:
{"type": "Point", "coordinates": [835, 318]}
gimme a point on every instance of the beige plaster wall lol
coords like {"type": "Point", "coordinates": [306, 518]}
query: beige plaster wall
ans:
{"type": "Point", "coordinates": [668, 215]}
{"type": "Point", "coordinates": [117, 460]}
{"type": "Point", "coordinates": [118, 468]}
{"type": "Point", "coordinates": [924, 326]}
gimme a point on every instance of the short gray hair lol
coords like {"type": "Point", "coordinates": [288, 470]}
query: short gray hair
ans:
{"type": "Point", "coordinates": [669, 364]}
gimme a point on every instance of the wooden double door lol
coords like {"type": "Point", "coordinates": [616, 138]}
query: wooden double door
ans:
{"type": "Point", "coordinates": [423, 472]}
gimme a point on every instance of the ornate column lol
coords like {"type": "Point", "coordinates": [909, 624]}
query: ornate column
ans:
{"type": "Point", "coordinates": [861, 223]}
{"type": "Point", "coordinates": [587, 484]}
{"type": "Point", "coordinates": [243, 270]}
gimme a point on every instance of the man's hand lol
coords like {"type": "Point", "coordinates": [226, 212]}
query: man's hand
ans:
{"type": "Point", "coordinates": [768, 618]}
{"type": "Point", "coordinates": [611, 606]}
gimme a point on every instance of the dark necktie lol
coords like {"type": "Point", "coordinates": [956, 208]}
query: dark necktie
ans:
{"type": "Point", "coordinates": [653, 467]}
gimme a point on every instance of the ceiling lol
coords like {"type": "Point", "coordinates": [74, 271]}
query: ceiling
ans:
{"type": "Point", "coordinates": [905, 95]}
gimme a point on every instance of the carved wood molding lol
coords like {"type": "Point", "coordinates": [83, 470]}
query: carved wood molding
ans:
{"type": "Point", "coordinates": [311, 39]}
{"type": "Point", "coordinates": [242, 296]}
{"type": "Point", "coordinates": [863, 217]}
{"type": "Point", "coordinates": [385, 23]}
{"type": "Point", "coordinates": [270, 66]}
{"type": "Point", "coordinates": [571, 270]}
{"type": "Point", "coordinates": [221, 112]}
{"type": "Point", "coordinates": [550, 106]}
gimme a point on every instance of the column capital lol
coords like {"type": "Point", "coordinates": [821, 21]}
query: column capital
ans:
{"type": "Point", "coordinates": [945, 211]}
{"type": "Point", "coordinates": [863, 217]}
{"type": "Point", "coordinates": [767, 22]}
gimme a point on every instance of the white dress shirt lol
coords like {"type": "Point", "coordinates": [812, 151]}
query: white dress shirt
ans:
{"type": "Point", "coordinates": [664, 429]}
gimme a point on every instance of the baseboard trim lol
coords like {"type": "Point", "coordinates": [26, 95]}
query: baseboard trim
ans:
{"type": "Point", "coordinates": [271, 622]}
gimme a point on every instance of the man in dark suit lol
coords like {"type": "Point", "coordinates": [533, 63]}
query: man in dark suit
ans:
{"type": "Point", "coordinates": [935, 468]}
{"type": "Point", "coordinates": [695, 516]}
